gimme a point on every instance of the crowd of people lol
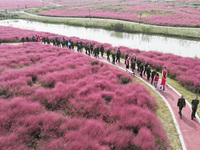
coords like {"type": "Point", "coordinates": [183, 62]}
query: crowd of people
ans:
{"type": "Point", "coordinates": [130, 61]}
{"type": "Point", "coordinates": [36, 38]}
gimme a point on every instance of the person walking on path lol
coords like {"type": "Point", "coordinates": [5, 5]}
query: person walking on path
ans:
{"type": "Point", "coordinates": [113, 57]}
{"type": "Point", "coordinates": [133, 60]}
{"type": "Point", "coordinates": [145, 67]}
{"type": "Point", "coordinates": [48, 41]}
{"type": "Point", "coordinates": [126, 56]}
{"type": "Point", "coordinates": [163, 81]}
{"type": "Point", "coordinates": [127, 63]}
{"type": "Point", "coordinates": [138, 65]}
{"type": "Point", "coordinates": [153, 75]}
{"type": "Point", "coordinates": [141, 69]}
{"type": "Point", "coordinates": [156, 79]}
{"type": "Point", "coordinates": [181, 104]}
{"type": "Point", "coordinates": [148, 72]}
{"type": "Point", "coordinates": [102, 50]}
{"type": "Point", "coordinates": [195, 103]}
{"type": "Point", "coordinates": [164, 72]}
{"type": "Point", "coordinates": [118, 55]}
{"type": "Point", "coordinates": [95, 52]}
{"type": "Point", "coordinates": [108, 54]}
{"type": "Point", "coordinates": [23, 40]}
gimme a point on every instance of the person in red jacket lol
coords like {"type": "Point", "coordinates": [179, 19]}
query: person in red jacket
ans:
{"type": "Point", "coordinates": [164, 72]}
{"type": "Point", "coordinates": [127, 63]}
{"type": "Point", "coordinates": [156, 79]}
{"type": "Point", "coordinates": [163, 82]}
{"type": "Point", "coordinates": [38, 38]}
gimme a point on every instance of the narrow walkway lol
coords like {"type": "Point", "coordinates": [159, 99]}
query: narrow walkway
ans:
{"type": "Point", "coordinates": [190, 129]}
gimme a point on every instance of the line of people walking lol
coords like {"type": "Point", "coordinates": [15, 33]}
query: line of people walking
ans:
{"type": "Point", "coordinates": [130, 61]}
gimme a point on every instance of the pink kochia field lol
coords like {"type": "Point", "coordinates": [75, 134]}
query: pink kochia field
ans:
{"type": "Point", "coordinates": [54, 98]}
{"type": "Point", "coordinates": [19, 4]}
{"type": "Point", "coordinates": [172, 13]}
{"type": "Point", "coordinates": [183, 69]}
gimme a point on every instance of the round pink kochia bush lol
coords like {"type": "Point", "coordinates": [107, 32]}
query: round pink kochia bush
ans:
{"type": "Point", "coordinates": [66, 100]}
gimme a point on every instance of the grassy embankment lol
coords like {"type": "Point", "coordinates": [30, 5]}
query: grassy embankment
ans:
{"type": "Point", "coordinates": [117, 25]}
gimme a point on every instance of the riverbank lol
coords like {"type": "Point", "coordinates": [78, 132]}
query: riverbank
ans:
{"type": "Point", "coordinates": [115, 25]}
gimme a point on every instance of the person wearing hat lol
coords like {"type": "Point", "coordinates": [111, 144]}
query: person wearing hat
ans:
{"type": "Point", "coordinates": [181, 104]}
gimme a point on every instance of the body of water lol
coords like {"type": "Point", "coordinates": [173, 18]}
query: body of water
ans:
{"type": "Point", "coordinates": [185, 48]}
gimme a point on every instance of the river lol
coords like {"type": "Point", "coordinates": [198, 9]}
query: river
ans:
{"type": "Point", "coordinates": [181, 47]}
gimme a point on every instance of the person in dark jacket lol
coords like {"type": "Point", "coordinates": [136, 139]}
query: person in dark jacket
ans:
{"type": "Point", "coordinates": [108, 54]}
{"type": "Point", "coordinates": [113, 57]}
{"type": "Point", "coordinates": [95, 52]}
{"type": "Point", "coordinates": [48, 41]}
{"type": "Point", "coordinates": [78, 46]}
{"type": "Point", "coordinates": [152, 76]}
{"type": "Point", "coordinates": [27, 39]}
{"type": "Point", "coordinates": [91, 48]}
{"type": "Point", "coordinates": [138, 65]}
{"type": "Point", "coordinates": [118, 55]}
{"type": "Point", "coordinates": [54, 42]}
{"type": "Point", "coordinates": [86, 49]}
{"type": "Point", "coordinates": [181, 104]}
{"type": "Point", "coordinates": [145, 67]}
{"type": "Point", "coordinates": [72, 45]}
{"type": "Point", "coordinates": [133, 61]}
{"type": "Point", "coordinates": [44, 39]}
{"type": "Point", "coordinates": [141, 69]}
{"type": "Point", "coordinates": [148, 72]}
{"type": "Point", "coordinates": [195, 103]}
{"type": "Point", "coordinates": [33, 38]}
{"type": "Point", "coordinates": [98, 51]}
{"type": "Point", "coordinates": [63, 42]}
{"type": "Point", "coordinates": [23, 40]}
{"type": "Point", "coordinates": [102, 50]}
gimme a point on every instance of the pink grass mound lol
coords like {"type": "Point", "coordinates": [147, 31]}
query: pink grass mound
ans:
{"type": "Point", "coordinates": [54, 98]}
